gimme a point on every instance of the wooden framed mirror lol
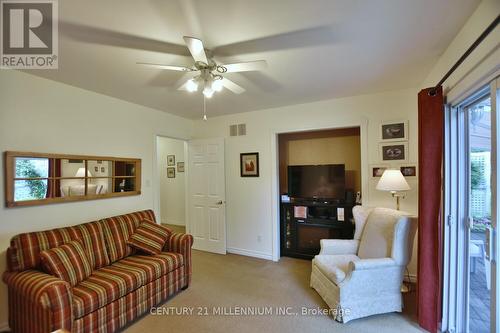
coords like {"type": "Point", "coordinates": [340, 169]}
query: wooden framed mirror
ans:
{"type": "Point", "coordinates": [39, 178]}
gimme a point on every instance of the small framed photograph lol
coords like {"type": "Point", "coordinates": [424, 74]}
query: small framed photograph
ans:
{"type": "Point", "coordinates": [409, 170]}
{"type": "Point", "coordinates": [99, 162]}
{"type": "Point", "coordinates": [249, 164]}
{"type": "Point", "coordinates": [180, 166]}
{"type": "Point", "coordinates": [96, 169]}
{"type": "Point", "coordinates": [397, 151]}
{"type": "Point", "coordinates": [171, 172]}
{"type": "Point", "coordinates": [394, 131]}
{"type": "Point", "coordinates": [103, 169]}
{"type": "Point", "coordinates": [171, 160]}
{"type": "Point", "coordinates": [377, 170]}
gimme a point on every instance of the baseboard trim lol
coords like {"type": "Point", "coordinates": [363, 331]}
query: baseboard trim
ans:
{"type": "Point", "coordinates": [4, 327]}
{"type": "Point", "coordinates": [250, 253]}
{"type": "Point", "coordinates": [173, 222]}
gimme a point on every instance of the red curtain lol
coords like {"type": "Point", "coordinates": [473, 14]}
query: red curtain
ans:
{"type": "Point", "coordinates": [430, 159]}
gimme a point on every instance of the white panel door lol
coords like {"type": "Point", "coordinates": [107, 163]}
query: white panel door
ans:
{"type": "Point", "coordinates": [206, 195]}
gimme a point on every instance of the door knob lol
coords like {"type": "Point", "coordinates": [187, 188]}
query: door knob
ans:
{"type": "Point", "coordinates": [220, 202]}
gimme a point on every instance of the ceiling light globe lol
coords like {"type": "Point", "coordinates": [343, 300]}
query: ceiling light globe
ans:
{"type": "Point", "coordinates": [208, 92]}
{"type": "Point", "coordinates": [217, 85]}
{"type": "Point", "coordinates": [191, 86]}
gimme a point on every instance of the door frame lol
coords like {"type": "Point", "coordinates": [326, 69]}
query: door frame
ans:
{"type": "Point", "coordinates": [456, 202]}
{"type": "Point", "coordinates": [275, 195]}
{"type": "Point", "coordinates": [156, 178]}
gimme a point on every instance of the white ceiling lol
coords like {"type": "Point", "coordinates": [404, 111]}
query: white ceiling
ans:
{"type": "Point", "coordinates": [316, 49]}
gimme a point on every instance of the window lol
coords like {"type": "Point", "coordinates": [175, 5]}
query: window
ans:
{"type": "Point", "coordinates": [34, 178]}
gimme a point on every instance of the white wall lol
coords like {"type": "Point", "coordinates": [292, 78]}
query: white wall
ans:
{"type": "Point", "coordinates": [250, 213]}
{"type": "Point", "coordinates": [481, 66]}
{"type": "Point", "coordinates": [172, 190]}
{"type": "Point", "coordinates": [44, 116]}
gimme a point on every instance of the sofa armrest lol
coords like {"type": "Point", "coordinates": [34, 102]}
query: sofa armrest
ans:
{"type": "Point", "coordinates": [339, 246]}
{"type": "Point", "coordinates": [181, 243]}
{"type": "Point", "coordinates": [46, 302]}
{"type": "Point", "coordinates": [376, 263]}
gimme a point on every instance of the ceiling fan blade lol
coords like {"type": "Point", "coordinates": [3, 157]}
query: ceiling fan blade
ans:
{"type": "Point", "coordinates": [88, 34]}
{"type": "Point", "coordinates": [228, 84]}
{"type": "Point", "coordinates": [196, 48]}
{"type": "Point", "coordinates": [322, 35]}
{"type": "Point", "coordinates": [168, 67]}
{"type": "Point", "coordinates": [257, 65]}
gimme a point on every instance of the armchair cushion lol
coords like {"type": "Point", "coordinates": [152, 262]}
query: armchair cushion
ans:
{"type": "Point", "coordinates": [376, 263]}
{"type": "Point", "coordinates": [149, 237]}
{"type": "Point", "coordinates": [335, 267]}
{"type": "Point", "coordinates": [378, 233]}
{"type": "Point", "coordinates": [339, 246]}
{"type": "Point", "coordinates": [68, 262]}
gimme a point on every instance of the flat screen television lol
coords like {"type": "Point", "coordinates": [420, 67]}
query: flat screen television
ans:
{"type": "Point", "coordinates": [317, 181]}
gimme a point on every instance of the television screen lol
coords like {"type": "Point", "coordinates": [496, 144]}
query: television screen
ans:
{"type": "Point", "coordinates": [317, 181]}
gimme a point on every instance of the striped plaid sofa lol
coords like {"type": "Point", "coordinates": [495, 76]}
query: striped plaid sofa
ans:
{"type": "Point", "coordinates": [123, 285]}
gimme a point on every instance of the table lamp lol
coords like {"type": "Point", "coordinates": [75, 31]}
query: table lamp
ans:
{"type": "Point", "coordinates": [393, 181]}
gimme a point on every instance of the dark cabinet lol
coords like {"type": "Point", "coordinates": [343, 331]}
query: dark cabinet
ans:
{"type": "Point", "coordinates": [304, 224]}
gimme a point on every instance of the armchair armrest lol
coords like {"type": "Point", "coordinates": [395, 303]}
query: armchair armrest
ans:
{"type": "Point", "coordinates": [339, 246]}
{"type": "Point", "coordinates": [181, 243]}
{"type": "Point", "coordinates": [376, 263]}
{"type": "Point", "coordinates": [46, 302]}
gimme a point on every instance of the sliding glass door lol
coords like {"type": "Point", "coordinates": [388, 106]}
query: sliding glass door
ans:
{"type": "Point", "coordinates": [470, 271]}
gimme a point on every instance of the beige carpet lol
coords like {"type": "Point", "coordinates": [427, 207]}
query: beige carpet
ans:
{"type": "Point", "coordinates": [227, 282]}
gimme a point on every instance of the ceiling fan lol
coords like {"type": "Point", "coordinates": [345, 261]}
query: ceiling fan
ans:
{"type": "Point", "coordinates": [211, 73]}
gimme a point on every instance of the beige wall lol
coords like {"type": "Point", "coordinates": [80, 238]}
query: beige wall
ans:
{"type": "Point", "coordinates": [333, 150]}
{"type": "Point", "coordinates": [172, 190]}
{"type": "Point", "coordinates": [251, 215]}
{"type": "Point", "coordinates": [44, 116]}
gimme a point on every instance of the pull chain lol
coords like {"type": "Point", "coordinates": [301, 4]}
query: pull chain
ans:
{"type": "Point", "coordinates": [204, 108]}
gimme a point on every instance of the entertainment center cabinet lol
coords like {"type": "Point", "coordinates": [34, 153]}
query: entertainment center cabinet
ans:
{"type": "Point", "coordinates": [305, 223]}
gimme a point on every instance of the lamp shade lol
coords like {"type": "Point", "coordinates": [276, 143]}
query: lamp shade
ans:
{"type": "Point", "coordinates": [81, 173]}
{"type": "Point", "coordinates": [392, 180]}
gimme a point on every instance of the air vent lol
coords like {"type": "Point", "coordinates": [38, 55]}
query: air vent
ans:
{"type": "Point", "coordinates": [236, 130]}
{"type": "Point", "coordinates": [242, 129]}
{"type": "Point", "coordinates": [233, 130]}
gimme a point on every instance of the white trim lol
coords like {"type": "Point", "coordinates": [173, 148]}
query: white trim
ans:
{"type": "Point", "coordinates": [275, 202]}
{"type": "Point", "coordinates": [250, 253]}
{"type": "Point", "coordinates": [174, 222]}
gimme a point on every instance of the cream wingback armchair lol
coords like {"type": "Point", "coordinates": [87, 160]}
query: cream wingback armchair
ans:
{"type": "Point", "coordinates": [362, 276]}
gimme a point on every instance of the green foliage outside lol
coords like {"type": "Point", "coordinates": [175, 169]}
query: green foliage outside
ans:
{"type": "Point", "coordinates": [26, 169]}
{"type": "Point", "coordinates": [477, 175]}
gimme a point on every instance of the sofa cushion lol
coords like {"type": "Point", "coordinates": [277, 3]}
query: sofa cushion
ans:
{"type": "Point", "coordinates": [149, 237]}
{"type": "Point", "coordinates": [115, 281]}
{"type": "Point", "coordinates": [118, 229]}
{"type": "Point", "coordinates": [92, 237]}
{"type": "Point", "coordinates": [334, 267]}
{"type": "Point", "coordinates": [67, 262]}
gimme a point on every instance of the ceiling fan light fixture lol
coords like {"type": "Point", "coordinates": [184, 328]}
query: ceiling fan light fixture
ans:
{"type": "Point", "coordinates": [217, 85]}
{"type": "Point", "coordinates": [191, 85]}
{"type": "Point", "coordinates": [208, 92]}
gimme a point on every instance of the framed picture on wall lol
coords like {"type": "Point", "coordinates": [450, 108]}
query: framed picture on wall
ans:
{"type": "Point", "coordinates": [249, 164]}
{"type": "Point", "coordinates": [397, 151]}
{"type": "Point", "coordinates": [180, 166]}
{"type": "Point", "coordinates": [170, 172]}
{"type": "Point", "coordinates": [408, 170]}
{"type": "Point", "coordinates": [171, 160]}
{"type": "Point", "coordinates": [376, 170]}
{"type": "Point", "coordinates": [394, 131]}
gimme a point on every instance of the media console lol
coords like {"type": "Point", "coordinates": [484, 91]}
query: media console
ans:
{"type": "Point", "coordinates": [304, 223]}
